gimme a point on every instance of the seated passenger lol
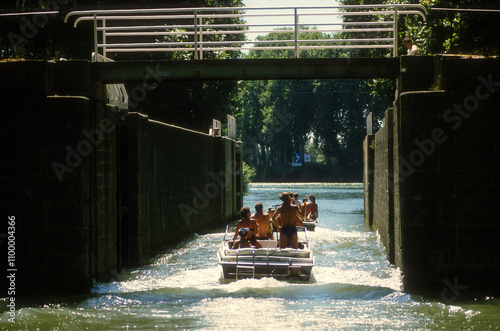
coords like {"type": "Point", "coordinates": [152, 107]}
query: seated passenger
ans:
{"type": "Point", "coordinates": [312, 208]}
{"type": "Point", "coordinates": [303, 209]}
{"type": "Point", "coordinates": [263, 222]}
{"type": "Point", "coordinates": [252, 226]}
{"type": "Point", "coordinates": [243, 242]}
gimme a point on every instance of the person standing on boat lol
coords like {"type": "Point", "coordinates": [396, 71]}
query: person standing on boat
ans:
{"type": "Point", "coordinates": [287, 223]}
{"type": "Point", "coordinates": [247, 222]}
{"type": "Point", "coordinates": [297, 200]}
{"type": "Point", "coordinates": [263, 222]}
{"type": "Point", "coordinates": [312, 208]}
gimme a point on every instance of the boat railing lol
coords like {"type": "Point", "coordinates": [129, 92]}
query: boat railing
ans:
{"type": "Point", "coordinates": [307, 238]}
{"type": "Point", "coordinates": [227, 238]}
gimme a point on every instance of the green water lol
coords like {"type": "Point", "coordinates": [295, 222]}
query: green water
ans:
{"type": "Point", "coordinates": [353, 286]}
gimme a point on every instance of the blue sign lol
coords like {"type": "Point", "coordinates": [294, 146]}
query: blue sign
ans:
{"type": "Point", "coordinates": [297, 160]}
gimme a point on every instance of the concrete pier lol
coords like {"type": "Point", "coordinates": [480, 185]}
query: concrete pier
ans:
{"type": "Point", "coordinates": [436, 183]}
{"type": "Point", "coordinates": [93, 191]}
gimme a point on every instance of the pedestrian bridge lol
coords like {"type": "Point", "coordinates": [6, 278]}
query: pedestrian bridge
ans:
{"type": "Point", "coordinates": [219, 38]}
{"type": "Point", "coordinates": [196, 31]}
{"type": "Point", "coordinates": [245, 69]}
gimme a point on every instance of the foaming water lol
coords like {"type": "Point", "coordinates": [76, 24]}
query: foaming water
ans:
{"type": "Point", "coordinates": [352, 285]}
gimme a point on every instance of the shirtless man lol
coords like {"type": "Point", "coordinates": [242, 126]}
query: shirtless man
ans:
{"type": "Point", "coordinates": [263, 222]}
{"type": "Point", "coordinates": [312, 208]}
{"type": "Point", "coordinates": [287, 222]}
{"type": "Point", "coordinates": [246, 222]}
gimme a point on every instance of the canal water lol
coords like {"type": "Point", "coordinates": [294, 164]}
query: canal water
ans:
{"type": "Point", "coordinates": [353, 286]}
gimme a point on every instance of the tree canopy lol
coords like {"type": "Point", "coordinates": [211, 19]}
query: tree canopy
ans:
{"type": "Point", "coordinates": [326, 118]}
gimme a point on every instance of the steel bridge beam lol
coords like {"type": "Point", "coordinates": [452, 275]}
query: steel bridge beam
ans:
{"type": "Point", "coordinates": [245, 69]}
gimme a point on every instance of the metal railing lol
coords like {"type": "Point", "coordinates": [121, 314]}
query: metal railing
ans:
{"type": "Point", "coordinates": [199, 30]}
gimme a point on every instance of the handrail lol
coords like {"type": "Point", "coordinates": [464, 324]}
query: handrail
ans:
{"type": "Point", "coordinates": [54, 12]}
{"type": "Point", "coordinates": [166, 10]}
{"type": "Point", "coordinates": [191, 29]}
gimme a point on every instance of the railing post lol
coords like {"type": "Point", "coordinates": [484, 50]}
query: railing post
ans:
{"type": "Point", "coordinates": [296, 33]}
{"type": "Point", "coordinates": [195, 34]}
{"type": "Point", "coordinates": [396, 33]}
{"type": "Point", "coordinates": [201, 38]}
{"type": "Point", "coordinates": [104, 38]}
{"type": "Point", "coordinates": [96, 50]}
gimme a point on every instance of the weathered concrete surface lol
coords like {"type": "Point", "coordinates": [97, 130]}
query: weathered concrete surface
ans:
{"type": "Point", "coordinates": [383, 196]}
{"type": "Point", "coordinates": [179, 182]}
{"type": "Point", "coordinates": [444, 183]}
{"type": "Point", "coordinates": [89, 195]}
{"type": "Point", "coordinates": [368, 179]}
{"type": "Point", "coordinates": [247, 69]}
{"type": "Point", "coordinates": [448, 191]}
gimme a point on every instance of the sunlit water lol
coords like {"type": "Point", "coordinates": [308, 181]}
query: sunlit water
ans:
{"type": "Point", "coordinates": [353, 286]}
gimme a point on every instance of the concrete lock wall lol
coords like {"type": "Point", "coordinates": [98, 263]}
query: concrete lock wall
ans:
{"type": "Point", "coordinates": [85, 195]}
{"type": "Point", "coordinates": [445, 177]}
{"type": "Point", "coordinates": [368, 179]}
{"type": "Point", "coordinates": [383, 211]}
{"type": "Point", "coordinates": [179, 182]}
{"type": "Point", "coordinates": [448, 185]}
{"type": "Point", "coordinates": [57, 177]}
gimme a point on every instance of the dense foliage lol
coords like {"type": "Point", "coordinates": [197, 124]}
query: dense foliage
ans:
{"type": "Point", "coordinates": [450, 31]}
{"type": "Point", "coordinates": [457, 32]}
{"type": "Point", "coordinates": [326, 118]}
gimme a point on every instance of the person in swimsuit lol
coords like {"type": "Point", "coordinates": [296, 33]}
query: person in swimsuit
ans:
{"type": "Point", "coordinates": [287, 217]}
{"type": "Point", "coordinates": [263, 222]}
{"type": "Point", "coordinates": [243, 242]}
{"type": "Point", "coordinates": [247, 222]}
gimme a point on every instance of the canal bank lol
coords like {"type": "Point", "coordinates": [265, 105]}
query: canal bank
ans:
{"type": "Point", "coordinates": [354, 286]}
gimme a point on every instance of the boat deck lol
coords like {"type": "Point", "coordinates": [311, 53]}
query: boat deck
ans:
{"type": "Point", "coordinates": [268, 261]}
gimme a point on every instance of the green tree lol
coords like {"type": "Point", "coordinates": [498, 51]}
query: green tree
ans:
{"type": "Point", "coordinates": [328, 116]}
{"type": "Point", "coordinates": [459, 32]}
